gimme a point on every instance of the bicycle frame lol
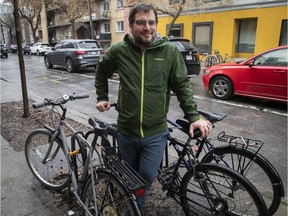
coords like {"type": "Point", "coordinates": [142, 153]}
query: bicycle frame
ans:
{"type": "Point", "coordinates": [77, 184]}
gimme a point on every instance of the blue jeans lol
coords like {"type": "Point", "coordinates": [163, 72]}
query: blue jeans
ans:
{"type": "Point", "coordinates": [144, 155]}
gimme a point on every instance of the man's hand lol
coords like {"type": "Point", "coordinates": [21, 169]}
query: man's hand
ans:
{"type": "Point", "coordinates": [103, 106]}
{"type": "Point", "coordinates": [204, 126]}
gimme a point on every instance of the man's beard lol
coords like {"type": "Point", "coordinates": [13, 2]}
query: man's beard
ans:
{"type": "Point", "coordinates": [142, 42]}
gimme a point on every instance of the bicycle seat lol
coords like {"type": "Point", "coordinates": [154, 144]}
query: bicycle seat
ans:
{"type": "Point", "coordinates": [185, 126]}
{"type": "Point", "coordinates": [99, 126]}
{"type": "Point", "coordinates": [212, 117]}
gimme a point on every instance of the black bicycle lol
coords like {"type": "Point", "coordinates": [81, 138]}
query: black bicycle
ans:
{"type": "Point", "coordinates": [62, 156]}
{"type": "Point", "coordinates": [242, 155]}
{"type": "Point", "coordinates": [202, 188]}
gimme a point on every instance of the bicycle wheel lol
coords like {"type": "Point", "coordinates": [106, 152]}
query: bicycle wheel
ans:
{"type": "Point", "coordinates": [112, 197]}
{"type": "Point", "coordinates": [259, 171]}
{"type": "Point", "coordinates": [53, 172]}
{"type": "Point", "coordinates": [213, 189]}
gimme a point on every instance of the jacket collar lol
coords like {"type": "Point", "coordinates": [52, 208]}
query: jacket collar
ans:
{"type": "Point", "coordinates": [159, 41]}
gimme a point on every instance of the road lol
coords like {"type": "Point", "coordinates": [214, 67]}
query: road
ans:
{"type": "Point", "coordinates": [265, 121]}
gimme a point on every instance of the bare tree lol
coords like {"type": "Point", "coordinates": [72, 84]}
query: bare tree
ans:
{"type": "Point", "coordinates": [30, 10]}
{"type": "Point", "coordinates": [89, 3]}
{"type": "Point", "coordinates": [21, 59]}
{"type": "Point", "coordinates": [73, 10]}
{"type": "Point", "coordinates": [7, 21]}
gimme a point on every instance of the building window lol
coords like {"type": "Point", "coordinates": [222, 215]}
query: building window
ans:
{"type": "Point", "coordinates": [120, 26]}
{"type": "Point", "coordinates": [173, 1]}
{"type": "Point", "coordinates": [245, 42]}
{"type": "Point", "coordinates": [106, 27]}
{"type": "Point", "coordinates": [176, 30]}
{"type": "Point", "coordinates": [119, 4]}
{"type": "Point", "coordinates": [105, 6]}
{"type": "Point", "coordinates": [283, 34]}
{"type": "Point", "coordinates": [202, 36]}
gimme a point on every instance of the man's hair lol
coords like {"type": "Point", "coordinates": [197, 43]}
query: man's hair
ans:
{"type": "Point", "coordinates": [141, 7]}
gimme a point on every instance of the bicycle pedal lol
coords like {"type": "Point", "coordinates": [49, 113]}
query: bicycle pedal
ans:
{"type": "Point", "coordinates": [164, 178]}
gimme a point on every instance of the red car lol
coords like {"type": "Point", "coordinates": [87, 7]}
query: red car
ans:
{"type": "Point", "coordinates": [261, 76]}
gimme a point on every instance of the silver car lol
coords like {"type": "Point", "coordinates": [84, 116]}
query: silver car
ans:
{"type": "Point", "coordinates": [74, 54]}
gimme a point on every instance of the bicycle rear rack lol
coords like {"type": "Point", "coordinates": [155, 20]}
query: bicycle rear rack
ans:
{"type": "Point", "coordinates": [123, 170]}
{"type": "Point", "coordinates": [245, 142]}
{"type": "Point", "coordinates": [128, 175]}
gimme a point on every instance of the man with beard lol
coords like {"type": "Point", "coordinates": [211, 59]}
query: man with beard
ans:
{"type": "Point", "coordinates": [149, 67]}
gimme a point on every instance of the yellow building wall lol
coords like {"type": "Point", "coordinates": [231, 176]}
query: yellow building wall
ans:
{"type": "Point", "coordinates": [269, 21]}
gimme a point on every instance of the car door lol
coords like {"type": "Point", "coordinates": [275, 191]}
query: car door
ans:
{"type": "Point", "coordinates": [267, 76]}
{"type": "Point", "coordinates": [59, 54]}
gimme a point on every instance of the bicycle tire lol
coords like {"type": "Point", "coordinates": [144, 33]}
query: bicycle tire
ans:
{"type": "Point", "coordinates": [213, 189]}
{"type": "Point", "coordinates": [260, 172]}
{"type": "Point", "coordinates": [113, 198]}
{"type": "Point", "coordinates": [54, 174]}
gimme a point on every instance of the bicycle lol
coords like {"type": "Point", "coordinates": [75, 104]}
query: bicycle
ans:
{"type": "Point", "coordinates": [242, 155]}
{"type": "Point", "coordinates": [228, 58]}
{"type": "Point", "coordinates": [218, 57]}
{"type": "Point", "coordinates": [102, 184]}
{"type": "Point", "coordinates": [208, 60]}
{"type": "Point", "coordinates": [220, 190]}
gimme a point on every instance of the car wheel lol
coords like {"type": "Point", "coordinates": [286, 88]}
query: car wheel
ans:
{"type": "Point", "coordinates": [47, 63]}
{"type": "Point", "coordinates": [221, 87]}
{"type": "Point", "coordinates": [69, 65]}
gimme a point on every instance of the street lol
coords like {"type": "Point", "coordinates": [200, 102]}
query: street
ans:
{"type": "Point", "coordinates": [251, 118]}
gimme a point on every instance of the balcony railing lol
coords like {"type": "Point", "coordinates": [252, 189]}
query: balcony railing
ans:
{"type": "Point", "coordinates": [104, 36]}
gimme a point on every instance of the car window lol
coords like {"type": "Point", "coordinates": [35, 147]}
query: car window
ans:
{"type": "Point", "coordinates": [88, 44]}
{"type": "Point", "coordinates": [273, 58]}
{"type": "Point", "coordinates": [59, 45]}
{"type": "Point", "coordinates": [45, 45]}
{"type": "Point", "coordinates": [182, 46]}
{"type": "Point", "coordinates": [68, 45]}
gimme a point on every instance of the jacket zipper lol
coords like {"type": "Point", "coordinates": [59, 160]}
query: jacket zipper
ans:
{"type": "Point", "coordinates": [165, 97]}
{"type": "Point", "coordinates": [142, 93]}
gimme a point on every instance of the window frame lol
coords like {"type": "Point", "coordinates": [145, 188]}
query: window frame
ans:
{"type": "Point", "coordinates": [283, 33]}
{"type": "Point", "coordinates": [119, 5]}
{"type": "Point", "coordinates": [238, 49]}
{"type": "Point", "coordinates": [179, 26]}
{"type": "Point", "coordinates": [121, 25]}
{"type": "Point", "coordinates": [194, 29]}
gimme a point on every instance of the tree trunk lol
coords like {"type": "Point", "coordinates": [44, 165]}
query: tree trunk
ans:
{"type": "Point", "coordinates": [21, 60]}
{"type": "Point", "coordinates": [91, 21]}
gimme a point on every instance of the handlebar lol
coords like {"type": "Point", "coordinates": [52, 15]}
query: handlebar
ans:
{"type": "Point", "coordinates": [64, 99]}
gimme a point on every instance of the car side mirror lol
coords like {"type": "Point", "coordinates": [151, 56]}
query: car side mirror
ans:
{"type": "Point", "coordinates": [250, 63]}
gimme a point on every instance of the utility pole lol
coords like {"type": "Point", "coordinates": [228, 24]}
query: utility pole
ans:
{"type": "Point", "coordinates": [91, 21]}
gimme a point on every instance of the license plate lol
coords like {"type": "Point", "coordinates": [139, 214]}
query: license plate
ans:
{"type": "Point", "coordinates": [189, 57]}
{"type": "Point", "coordinates": [94, 53]}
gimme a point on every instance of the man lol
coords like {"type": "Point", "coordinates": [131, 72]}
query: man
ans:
{"type": "Point", "coordinates": [148, 67]}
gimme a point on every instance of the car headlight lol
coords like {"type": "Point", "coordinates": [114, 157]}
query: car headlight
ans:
{"type": "Point", "coordinates": [206, 71]}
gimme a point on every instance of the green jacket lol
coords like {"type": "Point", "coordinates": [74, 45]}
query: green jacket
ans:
{"type": "Point", "coordinates": [146, 78]}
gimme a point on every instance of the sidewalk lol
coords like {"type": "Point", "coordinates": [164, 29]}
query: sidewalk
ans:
{"type": "Point", "coordinates": [20, 193]}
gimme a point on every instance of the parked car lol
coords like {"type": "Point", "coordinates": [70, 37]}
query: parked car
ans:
{"type": "Point", "coordinates": [26, 48]}
{"type": "Point", "coordinates": [40, 48]}
{"type": "Point", "coordinates": [4, 51]}
{"type": "Point", "coordinates": [13, 48]}
{"type": "Point", "coordinates": [189, 53]}
{"type": "Point", "coordinates": [262, 76]}
{"type": "Point", "coordinates": [74, 54]}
